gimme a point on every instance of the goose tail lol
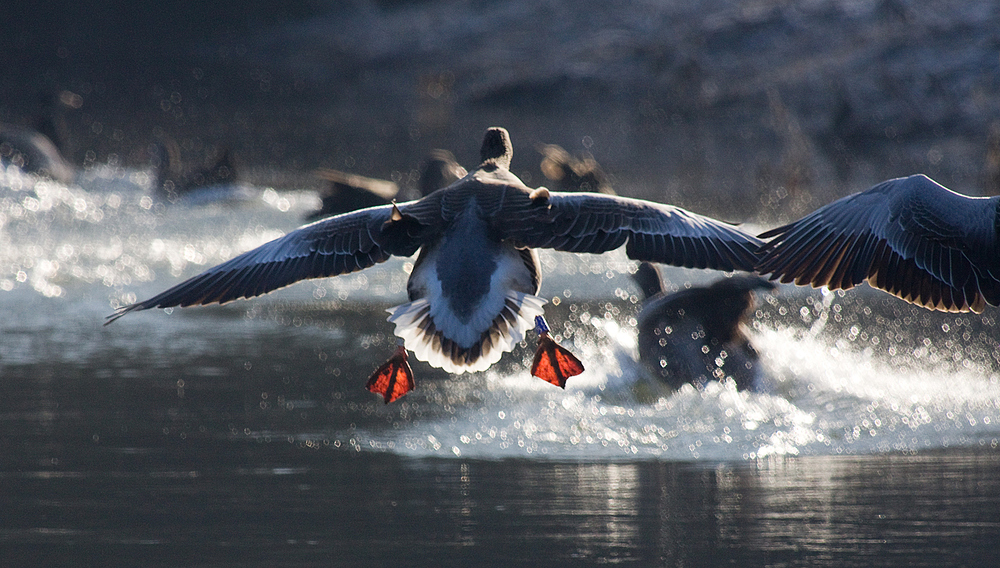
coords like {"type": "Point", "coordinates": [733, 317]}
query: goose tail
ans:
{"type": "Point", "coordinates": [416, 327]}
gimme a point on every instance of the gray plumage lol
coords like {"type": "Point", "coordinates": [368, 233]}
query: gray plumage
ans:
{"type": "Point", "coordinates": [489, 218]}
{"type": "Point", "coordinates": [910, 237]}
{"type": "Point", "coordinates": [696, 335]}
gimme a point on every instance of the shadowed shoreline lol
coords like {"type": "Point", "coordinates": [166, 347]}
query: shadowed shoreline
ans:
{"type": "Point", "coordinates": [776, 109]}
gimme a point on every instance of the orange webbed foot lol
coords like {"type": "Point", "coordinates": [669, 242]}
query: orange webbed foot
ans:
{"type": "Point", "coordinates": [394, 378]}
{"type": "Point", "coordinates": [553, 363]}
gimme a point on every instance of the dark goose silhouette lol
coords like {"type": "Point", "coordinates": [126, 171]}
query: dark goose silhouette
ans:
{"type": "Point", "coordinates": [696, 335]}
{"type": "Point", "coordinates": [439, 170]}
{"type": "Point", "coordinates": [216, 181]}
{"type": "Point", "coordinates": [571, 173]}
{"type": "Point", "coordinates": [472, 290]}
{"type": "Point", "coordinates": [910, 237]}
{"type": "Point", "coordinates": [346, 192]}
{"type": "Point", "coordinates": [43, 150]}
{"type": "Point", "coordinates": [34, 153]}
{"type": "Point", "coordinates": [52, 119]}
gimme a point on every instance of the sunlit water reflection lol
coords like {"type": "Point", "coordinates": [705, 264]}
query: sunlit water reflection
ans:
{"type": "Point", "coordinates": [261, 404]}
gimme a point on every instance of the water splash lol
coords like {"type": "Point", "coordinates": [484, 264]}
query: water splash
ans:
{"type": "Point", "coordinates": [846, 373]}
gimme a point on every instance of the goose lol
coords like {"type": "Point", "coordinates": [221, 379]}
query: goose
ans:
{"type": "Point", "coordinates": [52, 119]}
{"type": "Point", "coordinates": [217, 181]}
{"type": "Point", "coordinates": [909, 236]}
{"type": "Point", "coordinates": [34, 153]}
{"type": "Point", "coordinates": [346, 192]}
{"type": "Point", "coordinates": [473, 288]}
{"type": "Point", "coordinates": [571, 173]}
{"type": "Point", "coordinates": [349, 192]}
{"type": "Point", "coordinates": [42, 150]}
{"type": "Point", "coordinates": [696, 335]}
{"type": "Point", "coordinates": [439, 170]}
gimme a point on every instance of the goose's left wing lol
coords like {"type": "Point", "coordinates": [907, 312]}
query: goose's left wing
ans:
{"type": "Point", "coordinates": [654, 232]}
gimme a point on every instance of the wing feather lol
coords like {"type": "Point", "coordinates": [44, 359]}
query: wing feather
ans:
{"type": "Point", "coordinates": [910, 237]}
{"type": "Point", "coordinates": [337, 245]}
{"type": "Point", "coordinates": [597, 223]}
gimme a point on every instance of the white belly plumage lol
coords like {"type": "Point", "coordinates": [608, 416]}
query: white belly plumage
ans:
{"type": "Point", "coordinates": [467, 323]}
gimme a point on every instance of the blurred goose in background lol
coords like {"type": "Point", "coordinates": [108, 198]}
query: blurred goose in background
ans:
{"type": "Point", "coordinates": [910, 237]}
{"type": "Point", "coordinates": [34, 153]}
{"type": "Point", "coordinates": [42, 150]}
{"type": "Point", "coordinates": [215, 182]}
{"type": "Point", "coordinates": [346, 192]}
{"type": "Point", "coordinates": [697, 335]}
{"type": "Point", "coordinates": [439, 170]}
{"type": "Point", "coordinates": [473, 287]}
{"type": "Point", "coordinates": [52, 120]}
{"type": "Point", "coordinates": [571, 173]}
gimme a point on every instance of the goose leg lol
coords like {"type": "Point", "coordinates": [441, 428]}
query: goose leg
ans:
{"type": "Point", "coordinates": [394, 378]}
{"type": "Point", "coordinates": [553, 363]}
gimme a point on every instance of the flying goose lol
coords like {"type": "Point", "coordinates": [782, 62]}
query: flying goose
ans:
{"type": "Point", "coordinates": [910, 237]}
{"type": "Point", "coordinates": [696, 335]}
{"type": "Point", "coordinates": [473, 288]}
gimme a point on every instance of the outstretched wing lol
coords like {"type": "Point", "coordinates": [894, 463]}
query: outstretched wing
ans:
{"type": "Point", "coordinates": [337, 245]}
{"type": "Point", "coordinates": [909, 236]}
{"type": "Point", "coordinates": [595, 223]}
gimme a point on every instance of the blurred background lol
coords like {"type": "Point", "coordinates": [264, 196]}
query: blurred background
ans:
{"type": "Point", "coordinates": [778, 106]}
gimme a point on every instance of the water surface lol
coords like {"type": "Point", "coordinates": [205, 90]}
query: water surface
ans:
{"type": "Point", "coordinates": [242, 435]}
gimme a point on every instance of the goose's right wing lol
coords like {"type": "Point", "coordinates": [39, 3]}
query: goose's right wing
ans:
{"type": "Point", "coordinates": [909, 236]}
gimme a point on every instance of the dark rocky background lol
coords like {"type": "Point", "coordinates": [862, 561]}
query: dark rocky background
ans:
{"type": "Point", "coordinates": [756, 110]}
